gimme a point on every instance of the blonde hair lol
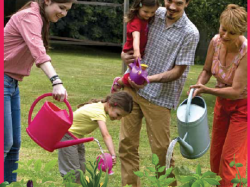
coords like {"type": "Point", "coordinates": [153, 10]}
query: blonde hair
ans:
{"type": "Point", "coordinates": [234, 18]}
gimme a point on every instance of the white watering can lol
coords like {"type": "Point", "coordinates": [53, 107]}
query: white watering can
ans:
{"type": "Point", "coordinates": [193, 127]}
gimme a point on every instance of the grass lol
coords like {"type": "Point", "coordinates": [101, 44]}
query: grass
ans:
{"type": "Point", "coordinates": [88, 73]}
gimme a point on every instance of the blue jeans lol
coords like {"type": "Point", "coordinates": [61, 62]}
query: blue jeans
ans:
{"type": "Point", "coordinates": [12, 127]}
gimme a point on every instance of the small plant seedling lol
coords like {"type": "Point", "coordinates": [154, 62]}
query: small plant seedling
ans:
{"type": "Point", "coordinates": [238, 179]}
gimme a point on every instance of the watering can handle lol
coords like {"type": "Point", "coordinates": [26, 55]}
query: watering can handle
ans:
{"type": "Point", "coordinates": [189, 103]}
{"type": "Point", "coordinates": [139, 62]}
{"type": "Point", "coordinates": [46, 95]}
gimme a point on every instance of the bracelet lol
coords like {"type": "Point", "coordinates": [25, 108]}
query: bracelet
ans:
{"type": "Point", "coordinates": [53, 78]}
{"type": "Point", "coordinates": [56, 84]}
{"type": "Point", "coordinates": [113, 156]}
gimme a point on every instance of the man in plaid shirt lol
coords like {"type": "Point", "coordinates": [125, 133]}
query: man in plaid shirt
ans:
{"type": "Point", "coordinates": [170, 50]}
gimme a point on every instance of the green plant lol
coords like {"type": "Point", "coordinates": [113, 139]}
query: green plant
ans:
{"type": "Point", "coordinates": [4, 184]}
{"type": "Point", "coordinates": [238, 179]}
{"type": "Point", "coordinates": [33, 169]}
{"type": "Point", "coordinates": [69, 179]}
{"type": "Point", "coordinates": [95, 176]}
{"type": "Point", "coordinates": [197, 179]}
{"type": "Point", "coordinates": [155, 179]}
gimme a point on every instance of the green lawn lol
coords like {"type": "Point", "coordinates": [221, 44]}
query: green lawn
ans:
{"type": "Point", "coordinates": [88, 73]}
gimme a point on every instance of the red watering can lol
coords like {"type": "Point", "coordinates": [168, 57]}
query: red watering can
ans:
{"type": "Point", "coordinates": [138, 72]}
{"type": "Point", "coordinates": [51, 124]}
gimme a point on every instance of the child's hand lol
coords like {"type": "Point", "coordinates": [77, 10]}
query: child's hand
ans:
{"type": "Point", "coordinates": [137, 54]}
{"type": "Point", "coordinates": [113, 160]}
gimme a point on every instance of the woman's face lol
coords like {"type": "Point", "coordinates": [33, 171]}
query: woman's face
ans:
{"type": "Point", "coordinates": [55, 11]}
{"type": "Point", "coordinates": [227, 35]}
{"type": "Point", "coordinates": [116, 113]}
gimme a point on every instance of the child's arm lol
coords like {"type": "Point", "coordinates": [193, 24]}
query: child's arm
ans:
{"type": "Point", "coordinates": [107, 139]}
{"type": "Point", "coordinates": [136, 44]}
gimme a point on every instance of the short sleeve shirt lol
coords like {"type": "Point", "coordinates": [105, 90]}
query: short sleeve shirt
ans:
{"type": "Point", "coordinates": [141, 26]}
{"type": "Point", "coordinates": [85, 119]}
{"type": "Point", "coordinates": [167, 47]}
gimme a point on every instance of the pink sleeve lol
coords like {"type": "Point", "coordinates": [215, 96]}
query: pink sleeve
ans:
{"type": "Point", "coordinates": [30, 27]}
{"type": "Point", "coordinates": [134, 25]}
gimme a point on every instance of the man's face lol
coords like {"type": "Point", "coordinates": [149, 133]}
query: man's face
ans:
{"type": "Point", "coordinates": [175, 8]}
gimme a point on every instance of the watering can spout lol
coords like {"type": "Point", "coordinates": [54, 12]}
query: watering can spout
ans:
{"type": "Point", "coordinates": [72, 142]}
{"type": "Point", "coordinates": [188, 148]}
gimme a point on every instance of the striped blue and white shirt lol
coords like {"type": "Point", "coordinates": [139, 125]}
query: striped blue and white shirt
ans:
{"type": "Point", "coordinates": [167, 47]}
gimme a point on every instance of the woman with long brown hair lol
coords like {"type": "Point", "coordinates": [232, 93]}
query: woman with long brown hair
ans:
{"type": "Point", "coordinates": [26, 42]}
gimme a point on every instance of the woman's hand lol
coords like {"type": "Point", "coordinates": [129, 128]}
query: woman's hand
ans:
{"type": "Point", "coordinates": [59, 92]}
{"type": "Point", "coordinates": [199, 89]}
{"type": "Point", "coordinates": [128, 57]}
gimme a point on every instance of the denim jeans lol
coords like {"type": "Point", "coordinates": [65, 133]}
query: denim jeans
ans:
{"type": "Point", "coordinates": [12, 127]}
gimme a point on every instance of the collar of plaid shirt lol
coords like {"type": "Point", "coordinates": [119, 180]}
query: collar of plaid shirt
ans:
{"type": "Point", "coordinates": [166, 48]}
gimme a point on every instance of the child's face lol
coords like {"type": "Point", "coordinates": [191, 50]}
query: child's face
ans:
{"type": "Point", "coordinates": [146, 12]}
{"type": "Point", "coordinates": [116, 113]}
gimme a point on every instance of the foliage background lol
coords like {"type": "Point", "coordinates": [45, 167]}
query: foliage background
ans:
{"type": "Point", "coordinates": [103, 23]}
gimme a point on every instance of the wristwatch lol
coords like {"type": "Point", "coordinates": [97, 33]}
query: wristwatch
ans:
{"type": "Point", "coordinates": [53, 78]}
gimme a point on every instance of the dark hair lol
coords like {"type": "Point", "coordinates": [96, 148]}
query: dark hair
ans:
{"type": "Point", "coordinates": [120, 99]}
{"type": "Point", "coordinates": [45, 29]}
{"type": "Point", "coordinates": [134, 10]}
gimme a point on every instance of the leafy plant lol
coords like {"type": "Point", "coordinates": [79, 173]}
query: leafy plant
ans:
{"type": "Point", "coordinates": [190, 179]}
{"type": "Point", "coordinates": [94, 181]}
{"type": "Point", "coordinates": [95, 176]}
{"type": "Point", "coordinates": [69, 179]}
{"type": "Point", "coordinates": [4, 184]}
{"type": "Point", "coordinates": [197, 179]}
{"type": "Point", "coordinates": [155, 179]}
{"type": "Point", "coordinates": [238, 179]}
{"type": "Point", "coordinates": [33, 169]}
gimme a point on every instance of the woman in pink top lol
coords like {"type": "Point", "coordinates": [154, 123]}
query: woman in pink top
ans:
{"type": "Point", "coordinates": [227, 62]}
{"type": "Point", "coordinates": [26, 42]}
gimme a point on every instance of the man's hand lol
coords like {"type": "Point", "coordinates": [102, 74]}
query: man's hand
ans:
{"type": "Point", "coordinates": [128, 57]}
{"type": "Point", "coordinates": [136, 86]}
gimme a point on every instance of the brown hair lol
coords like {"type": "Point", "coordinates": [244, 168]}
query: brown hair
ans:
{"type": "Point", "coordinates": [120, 99]}
{"type": "Point", "coordinates": [235, 18]}
{"type": "Point", "coordinates": [134, 10]}
{"type": "Point", "coordinates": [45, 29]}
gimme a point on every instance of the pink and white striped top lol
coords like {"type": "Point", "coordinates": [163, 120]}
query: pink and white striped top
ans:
{"type": "Point", "coordinates": [23, 44]}
{"type": "Point", "coordinates": [225, 74]}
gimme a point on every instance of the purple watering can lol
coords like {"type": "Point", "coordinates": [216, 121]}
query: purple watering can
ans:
{"type": "Point", "coordinates": [138, 72]}
{"type": "Point", "coordinates": [51, 124]}
{"type": "Point", "coordinates": [105, 163]}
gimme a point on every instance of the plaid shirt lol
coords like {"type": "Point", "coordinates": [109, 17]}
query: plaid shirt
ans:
{"type": "Point", "coordinates": [167, 47]}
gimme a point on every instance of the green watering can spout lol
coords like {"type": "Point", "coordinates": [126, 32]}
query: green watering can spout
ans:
{"type": "Point", "coordinates": [193, 128]}
{"type": "Point", "coordinates": [188, 148]}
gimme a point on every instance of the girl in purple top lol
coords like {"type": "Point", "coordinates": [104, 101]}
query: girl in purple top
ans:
{"type": "Point", "coordinates": [26, 42]}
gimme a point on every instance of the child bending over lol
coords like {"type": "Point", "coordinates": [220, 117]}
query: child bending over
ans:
{"type": "Point", "coordinates": [87, 118]}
